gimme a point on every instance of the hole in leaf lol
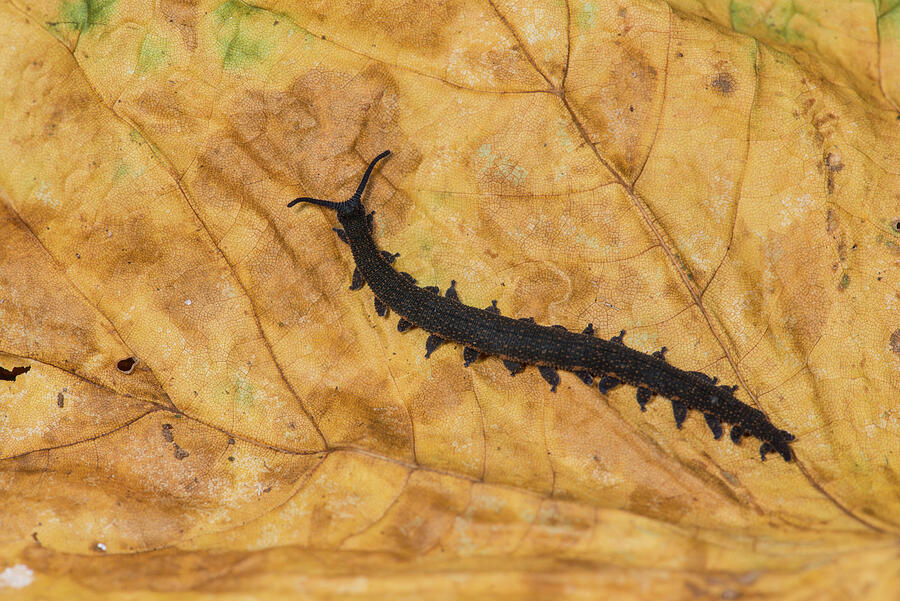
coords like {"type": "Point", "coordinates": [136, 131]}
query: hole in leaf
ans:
{"type": "Point", "coordinates": [10, 375]}
{"type": "Point", "coordinates": [126, 366]}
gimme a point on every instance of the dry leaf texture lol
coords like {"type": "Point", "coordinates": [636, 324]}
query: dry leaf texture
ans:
{"type": "Point", "coordinates": [210, 411]}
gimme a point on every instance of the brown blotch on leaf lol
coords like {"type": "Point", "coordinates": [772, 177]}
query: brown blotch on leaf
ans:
{"type": "Point", "coordinates": [647, 501]}
{"type": "Point", "coordinates": [834, 164]}
{"type": "Point", "coordinates": [405, 26]}
{"type": "Point", "coordinates": [632, 81]}
{"type": "Point", "coordinates": [183, 15]}
{"type": "Point", "coordinates": [895, 341]}
{"type": "Point", "coordinates": [126, 366]}
{"type": "Point", "coordinates": [180, 453]}
{"type": "Point", "coordinates": [167, 432]}
{"type": "Point", "coordinates": [60, 400]}
{"type": "Point", "coordinates": [724, 83]}
{"type": "Point", "coordinates": [831, 221]}
{"type": "Point", "coordinates": [833, 161]}
{"type": "Point", "coordinates": [834, 229]}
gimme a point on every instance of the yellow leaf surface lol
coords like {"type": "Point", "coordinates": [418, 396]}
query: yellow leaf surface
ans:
{"type": "Point", "coordinates": [211, 412]}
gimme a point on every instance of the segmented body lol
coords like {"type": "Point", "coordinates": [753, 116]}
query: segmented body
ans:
{"type": "Point", "coordinates": [522, 342]}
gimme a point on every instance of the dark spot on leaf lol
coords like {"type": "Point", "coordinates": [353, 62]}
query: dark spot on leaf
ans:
{"type": "Point", "coordinates": [60, 399]}
{"type": "Point", "coordinates": [834, 164]}
{"type": "Point", "coordinates": [895, 226]}
{"type": "Point", "coordinates": [845, 282]}
{"type": "Point", "coordinates": [724, 83]}
{"type": "Point", "coordinates": [167, 432]}
{"type": "Point", "coordinates": [231, 458]}
{"type": "Point", "coordinates": [831, 221]}
{"type": "Point", "coordinates": [126, 366]}
{"type": "Point", "coordinates": [180, 453]}
{"type": "Point", "coordinates": [833, 161]}
{"type": "Point", "coordinates": [895, 341]}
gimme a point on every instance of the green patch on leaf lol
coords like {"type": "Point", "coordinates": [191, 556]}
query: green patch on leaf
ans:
{"type": "Point", "coordinates": [750, 16]}
{"type": "Point", "coordinates": [888, 6]}
{"type": "Point", "coordinates": [83, 15]}
{"type": "Point", "coordinates": [243, 391]}
{"type": "Point", "coordinates": [152, 53]}
{"type": "Point", "coordinates": [243, 34]}
{"type": "Point", "coordinates": [585, 16]}
{"type": "Point", "coordinates": [889, 24]}
{"type": "Point", "coordinates": [122, 169]}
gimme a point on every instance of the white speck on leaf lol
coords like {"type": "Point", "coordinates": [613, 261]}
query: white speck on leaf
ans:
{"type": "Point", "coordinates": [43, 194]}
{"type": "Point", "coordinates": [17, 576]}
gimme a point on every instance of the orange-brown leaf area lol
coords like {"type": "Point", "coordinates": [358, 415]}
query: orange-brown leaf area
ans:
{"type": "Point", "coordinates": [210, 412]}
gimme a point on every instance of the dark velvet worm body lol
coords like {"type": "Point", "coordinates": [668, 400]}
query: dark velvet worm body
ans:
{"type": "Point", "coordinates": [521, 342]}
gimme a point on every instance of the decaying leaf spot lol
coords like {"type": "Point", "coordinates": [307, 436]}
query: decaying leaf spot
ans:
{"type": "Point", "coordinates": [895, 226]}
{"type": "Point", "coordinates": [831, 221]}
{"type": "Point", "coordinates": [895, 341]}
{"type": "Point", "coordinates": [10, 375]}
{"type": "Point", "coordinates": [180, 453]}
{"type": "Point", "coordinates": [724, 83]}
{"type": "Point", "coordinates": [845, 282]}
{"type": "Point", "coordinates": [834, 165]}
{"type": "Point", "coordinates": [60, 400]}
{"type": "Point", "coordinates": [833, 161]}
{"type": "Point", "coordinates": [126, 366]}
{"type": "Point", "coordinates": [167, 432]}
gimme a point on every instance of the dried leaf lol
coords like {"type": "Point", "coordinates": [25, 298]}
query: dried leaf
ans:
{"type": "Point", "coordinates": [210, 410]}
